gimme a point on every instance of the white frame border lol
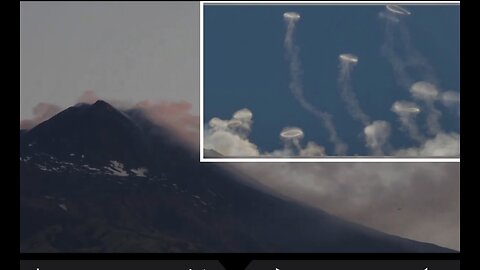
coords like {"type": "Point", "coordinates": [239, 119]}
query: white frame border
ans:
{"type": "Point", "coordinates": [308, 160]}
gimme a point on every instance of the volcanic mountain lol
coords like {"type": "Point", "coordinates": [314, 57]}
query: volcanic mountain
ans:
{"type": "Point", "coordinates": [97, 179]}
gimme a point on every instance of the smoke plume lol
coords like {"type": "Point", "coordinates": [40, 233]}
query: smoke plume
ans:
{"type": "Point", "coordinates": [296, 86]}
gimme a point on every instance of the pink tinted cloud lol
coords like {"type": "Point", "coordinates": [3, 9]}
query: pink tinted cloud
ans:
{"type": "Point", "coordinates": [44, 111]}
{"type": "Point", "coordinates": [175, 116]}
{"type": "Point", "coordinates": [41, 112]}
{"type": "Point", "coordinates": [88, 97]}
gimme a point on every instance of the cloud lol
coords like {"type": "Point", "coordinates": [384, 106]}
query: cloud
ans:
{"type": "Point", "coordinates": [293, 148]}
{"type": "Point", "coordinates": [230, 138]}
{"type": "Point", "coordinates": [442, 145]}
{"type": "Point", "coordinates": [176, 116]}
{"type": "Point", "coordinates": [44, 111]}
{"type": "Point", "coordinates": [230, 144]}
{"type": "Point", "coordinates": [88, 97]}
{"type": "Point", "coordinates": [312, 149]}
{"type": "Point", "coordinates": [414, 200]}
{"type": "Point", "coordinates": [41, 112]}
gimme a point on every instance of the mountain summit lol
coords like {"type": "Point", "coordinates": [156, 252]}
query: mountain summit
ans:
{"type": "Point", "coordinates": [98, 131]}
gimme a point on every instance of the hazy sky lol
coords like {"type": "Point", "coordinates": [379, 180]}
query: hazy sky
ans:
{"type": "Point", "coordinates": [121, 50]}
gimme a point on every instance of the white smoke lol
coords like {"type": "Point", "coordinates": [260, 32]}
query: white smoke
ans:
{"type": "Point", "coordinates": [428, 93]}
{"type": "Point", "coordinates": [347, 62]}
{"type": "Point", "coordinates": [229, 144]}
{"type": "Point", "coordinates": [312, 149]}
{"type": "Point", "coordinates": [376, 136]}
{"type": "Point", "coordinates": [442, 145]}
{"type": "Point", "coordinates": [291, 136]}
{"type": "Point", "coordinates": [230, 138]}
{"type": "Point", "coordinates": [407, 111]}
{"type": "Point", "coordinates": [376, 133]}
{"type": "Point", "coordinates": [406, 61]}
{"type": "Point", "coordinates": [242, 122]}
{"type": "Point", "coordinates": [296, 86]}
{"type": "Point", "coordinates": [409, 65]}
{"type": "Point", "coordinates": [451, 99]}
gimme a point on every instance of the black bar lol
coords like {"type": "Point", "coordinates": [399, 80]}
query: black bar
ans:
{"type": "Point", "coordinates": [355, 265]}
{"type": "Point", "coordinates": [120, 265]}
{"type": "Point", "coordinates": [254, 265]}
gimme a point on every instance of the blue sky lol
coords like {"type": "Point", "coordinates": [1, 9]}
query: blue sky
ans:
{"type": "Point", "coordinates": [245, 67]}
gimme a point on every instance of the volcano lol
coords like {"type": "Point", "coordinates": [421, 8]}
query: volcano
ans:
{"type": "Point", "coordinates": [97, 179]}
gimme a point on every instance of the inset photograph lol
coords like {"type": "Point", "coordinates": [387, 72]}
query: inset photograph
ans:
{"type": "Point", "coordinates": [316, 81]}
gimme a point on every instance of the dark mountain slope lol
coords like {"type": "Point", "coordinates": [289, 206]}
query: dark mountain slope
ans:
{"type": "Point", "coordinates": [93, 178]}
